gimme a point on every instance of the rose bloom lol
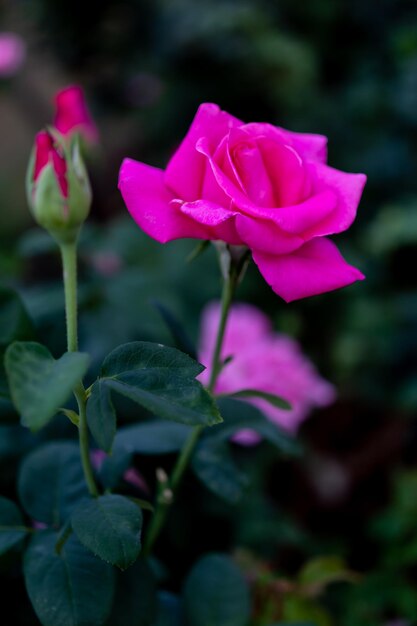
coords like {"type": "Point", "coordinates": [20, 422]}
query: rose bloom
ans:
{"type": "Point", "coordinates": [72, 114]}
{"type": "Point", "coordinates": [255, 185]}
{"type": "Point", "coordinates": [265, 361]}
{"type": "Point", "coordinates": [12, 54]}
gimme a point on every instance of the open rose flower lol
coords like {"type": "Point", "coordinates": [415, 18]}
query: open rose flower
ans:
{"type": "Point", "coordinates": [255, 185]}
{"type": "Point", "coordinates": [72, 114]}
{"type": "Point", "coordinates": [265, 361]}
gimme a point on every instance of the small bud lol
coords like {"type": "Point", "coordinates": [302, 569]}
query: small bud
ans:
{"type": "Point", "coordinates": [72, 114]}
{"type": "Point", "coordinates": [58, 188]}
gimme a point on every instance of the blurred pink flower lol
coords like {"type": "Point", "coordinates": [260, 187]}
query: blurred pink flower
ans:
{"type": "Point", "coordinates": [72, 114]}
{"type": "Point", "coordinates": [265, 361]}
{"type": "Point", "coordinates": [12, 54]}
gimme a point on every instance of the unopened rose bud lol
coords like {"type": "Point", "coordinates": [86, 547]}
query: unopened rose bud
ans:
{"type": "Point", "coordinates": [58, 188]}
{"type": "Point", "coordinates": [72, 114]}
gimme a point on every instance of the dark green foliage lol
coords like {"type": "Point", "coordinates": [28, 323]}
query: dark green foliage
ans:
{"type": "Point", "coordinates": [69, 588]}
{"type": "Point", "coordinates": [213, 461]}
{"type": "Point", "coordinates": [39, 384]}
{"type": "Point", "coordinates": [12, 528]}
{"type": "Point", "coordinates": [216, 593]}
{"type": "Point", "coordinates": [110, 526]}
{"type": "Point", "coordinates": [135, 597]}
{"type": "Point", "coordinates": [159, 378]}
{"type": "Point", "coordinates": [51, 482]}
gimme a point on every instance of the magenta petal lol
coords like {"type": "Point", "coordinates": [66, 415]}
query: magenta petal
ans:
{"type": "Point", "coordinates": [151, 206]}
{"type": "Point", "coordinates": [185, 171]}
{"type": "Point", "coordinates": [316, 267]}
{"type": "Point", "coordinates": [348, 187]}
{"type": "Point", "coordinates": [265, 235]}
{"type": "Point", "coordinates": [310, 147]}
{"type": "Point", "coordinates": [220, 222]}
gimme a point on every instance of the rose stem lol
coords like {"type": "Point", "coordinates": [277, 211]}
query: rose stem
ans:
{"type": "Point", "coordinates": [167, 495]}
{"type": "Point", "coordinates": [69, 265]}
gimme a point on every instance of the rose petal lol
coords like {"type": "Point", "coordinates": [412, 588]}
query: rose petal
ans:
{"type": "Point", "coordinates": [253, 173]}
{"type": "Point", "coordinates": [316, 267]}
{"type": "Point", "coordinates": [149, 203]}
{"type": "Point", "coordinates": [348, 187]}
{"type": "Point", "coordinates": [286, 172]}
{"type": "Point", "coordinates": [185, 171]}
{"type": "Point", "coordinates": [220, 221]}
{"type": "Point", "coordinates": [309, 146]}
{"type": "Point", "coordinates": [266, 236]}
{"type": "Point", "coordinates": [72, 113]}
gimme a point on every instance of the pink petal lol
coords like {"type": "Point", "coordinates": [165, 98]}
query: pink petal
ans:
{"type": "Point", "coordinates": [185, 171]}
{"type": "Point", "coordinates": [253, 173]}
{"type": "Point", "coordinates": [220, 221]}
{"type": "Point", "coordinates": [72, 113]}
{"type": "Point", "coordinates": [266, 236]}
{"type": "Point", "coordinates": [316, 267]}
{"type": "Point", "coordinates": [348, 187]}
{"type": "Point", "coordinates": [309, 146]}
{"type": "Point", "coordinates": [151, 206]}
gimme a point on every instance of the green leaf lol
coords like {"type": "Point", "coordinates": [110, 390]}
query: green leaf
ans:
{"type": "Point", "coordinates": [299, 609]}
{"type": "Point", "coordinates": [170, 610]}
{"type": "Point", "coordinates": [135, 599]}
{"type": "Point", "coordinates": [12, 528]}
{"type": "Point", "coordinates": [39, 384]}
{"type": "Point", "coordinates": [15, 323]}
{"type": "Point", "coordinates": [323, 570]}
{"type": "Point", "coordinates": [101, 416]}
{"type": "Point", "coordinates": [216, 594]}
{"type": "Point", "coordinates": [213, 461]}
{"type": "Point", "coordinates": [51, 482]}
{"type": "Point", "coordinates": [215, 467]}
{"type": "Point", "coordinates": [140, 355]}
{"type": "Point", "coordinates": [72, 588]}
{"type": "Point", "coordinates": [240, 415]}
{"type": "Point", "coordinates": [162, 380]}
{"type": "Point", "coordinates": [276, 401]}
{"type": "Point", "coordinates": [152, 437]}
{"type": "Point", "coordinates": [110, 526]}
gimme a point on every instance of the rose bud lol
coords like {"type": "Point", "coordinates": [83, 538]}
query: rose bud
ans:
{"type": "Point", "coordinates": [72, 114]}
{"type": "Point", "coordinates": [58, 188]}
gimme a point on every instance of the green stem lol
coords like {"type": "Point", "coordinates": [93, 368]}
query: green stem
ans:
{"type": "Point", "coordinates": [164, 502]}
{"type": "Point", "coordinates": [69, 264]}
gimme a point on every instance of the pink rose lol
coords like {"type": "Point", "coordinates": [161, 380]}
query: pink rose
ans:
{"type": "Point", "coordinates": [12, 54]}
{"type": "Point", "coordinates": [265, 361]}
{"type": "Point", "coordinates": [72, 114]}
{"type": "Point", "coordinates": [255, 185]}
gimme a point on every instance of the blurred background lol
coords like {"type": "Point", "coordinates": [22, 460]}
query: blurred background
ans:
{"type": "Point", "coordinates": [343, 68]}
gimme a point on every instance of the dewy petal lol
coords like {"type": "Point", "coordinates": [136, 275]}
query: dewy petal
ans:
{"type": "Point", "coordinates": [316, 267]}
{"type": "Point", "coordinates": [219, 221]}
{"type": "Point", "coordinates": [185, 171]}
{"type": "Point", "coordinates": [151, 206]}
{"type": "Point", "coordinates": [310, 147]}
